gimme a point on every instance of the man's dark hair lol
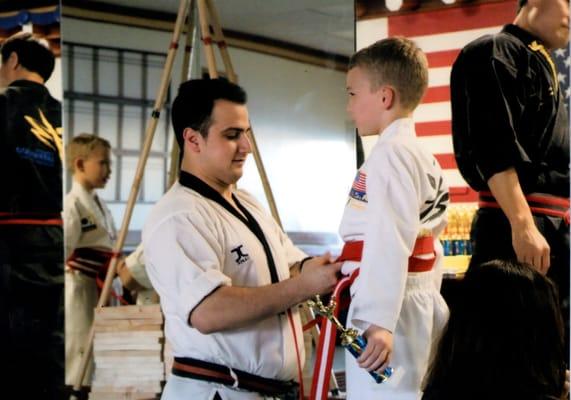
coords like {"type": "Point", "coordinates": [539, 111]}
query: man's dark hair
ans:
{"type": "Point", "coordinates": [520, 4]}
{"type": "Point", "coordinates": [32, 55]}
{"type": "Point", "coordinates": [193, 105]}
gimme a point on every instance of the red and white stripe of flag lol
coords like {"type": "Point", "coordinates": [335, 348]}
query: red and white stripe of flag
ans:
{"type": "Point", "coordinates": [441, 34]}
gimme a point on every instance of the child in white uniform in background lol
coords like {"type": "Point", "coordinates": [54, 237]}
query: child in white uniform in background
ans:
{"type": "Point", "coordinates": [398, 199]}
{"type": "Point", "coordinates": [89, 236]}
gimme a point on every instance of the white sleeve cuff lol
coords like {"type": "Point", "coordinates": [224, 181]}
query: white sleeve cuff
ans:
{"type": "Point", "coordinates": [138, 271]}
{"type": "Point", "coordinates": [202, 286]}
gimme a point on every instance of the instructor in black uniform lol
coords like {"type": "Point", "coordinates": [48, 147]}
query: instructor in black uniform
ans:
{"type": "Point", "coordinates": [511, 140]}
{"type": "Point", "coordinates": [31, 237]}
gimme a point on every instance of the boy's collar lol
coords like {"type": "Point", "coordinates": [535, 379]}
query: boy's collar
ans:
{"type": "Point", "coordinates": [400, 126]}
{"type": "Point", "coordinates": [78, 187]}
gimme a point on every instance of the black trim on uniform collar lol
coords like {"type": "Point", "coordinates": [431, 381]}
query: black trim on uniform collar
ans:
{"type": "Point", "coordinates": [192, 182]}
{"type": "Point", "coordinates": [25, 83]}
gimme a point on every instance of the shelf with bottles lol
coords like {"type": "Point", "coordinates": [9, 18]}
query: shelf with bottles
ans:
{"type": "Point", "coordinates": [455, 239]}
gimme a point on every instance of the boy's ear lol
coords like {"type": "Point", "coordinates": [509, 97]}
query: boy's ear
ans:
{"type": "Point", "coordinates": [191, 140]}
{"type": "Point", "coordinates": [78, 164]}
{"type": "Point", "coordinates": [388, 97]}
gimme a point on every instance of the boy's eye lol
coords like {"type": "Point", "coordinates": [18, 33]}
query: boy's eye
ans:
{"type": "Point", "coordinates": [233, 136]}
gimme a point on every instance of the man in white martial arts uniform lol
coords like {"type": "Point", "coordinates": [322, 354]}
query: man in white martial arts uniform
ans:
{"type": "Point", "coordinates": [89, 237]}
{"type": "Point", "coordinates": [221, 264]}
{"type": "Point", "coordinates": [396, 210]}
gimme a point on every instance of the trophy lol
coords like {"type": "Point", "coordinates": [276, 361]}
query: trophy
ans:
{"type": "Point", "coordinates": [350, 338]}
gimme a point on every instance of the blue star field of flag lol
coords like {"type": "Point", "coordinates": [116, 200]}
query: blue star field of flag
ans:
{"type": "Point", "coordinates": [563, 63]}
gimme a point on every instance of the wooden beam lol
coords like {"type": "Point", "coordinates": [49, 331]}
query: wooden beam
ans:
{"type": "Point", "coordinates": [98, 12]}
{"type": "Point", "coordinates": [370, 9]}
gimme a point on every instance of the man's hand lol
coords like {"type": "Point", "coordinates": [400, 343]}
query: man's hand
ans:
{"type": "Point", "coordinates": [530, 246]}
{"type": "Point", "coordinates": [319, 275]}
{"type": "Point", "coordinates": [377, 354]}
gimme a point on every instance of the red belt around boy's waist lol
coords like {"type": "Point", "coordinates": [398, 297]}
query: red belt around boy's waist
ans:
{"type": "Point", "coordinates": [50, 219]}
{"type": "Point", "coordinates": [539, 204]}
{"type": "Point", "coordinates": [424, 245]}
{"type": "Point", "coordinates": [211, 372]}
{"type": "Point", "coordinates": [90, 261]}
{"type": "Point", "coordinates": [94, 263]}
{"type": "Point", "coordinates": [353, 251]}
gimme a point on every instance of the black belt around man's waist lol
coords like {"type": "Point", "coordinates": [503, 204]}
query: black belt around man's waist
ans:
{"type": "Point", "coordinates": [210, 372]}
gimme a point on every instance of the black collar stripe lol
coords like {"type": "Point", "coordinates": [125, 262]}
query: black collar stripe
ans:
{"type": "Point", "coordinates": [192, 182]}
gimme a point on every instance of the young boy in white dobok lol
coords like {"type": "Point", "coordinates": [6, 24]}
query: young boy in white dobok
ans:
{"type": "Point", "coordinates": [396, 210]}
{"type": "Point", "coordinates": [89, 239]}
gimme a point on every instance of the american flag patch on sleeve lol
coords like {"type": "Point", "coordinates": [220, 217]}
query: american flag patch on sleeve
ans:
{"type": "Point", "coordinates": [359, 187]}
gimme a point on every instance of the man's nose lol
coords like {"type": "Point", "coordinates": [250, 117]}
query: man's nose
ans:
{"type": "Point", "coordinates": [245, 143]}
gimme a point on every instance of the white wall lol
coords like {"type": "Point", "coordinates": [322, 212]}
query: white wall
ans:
{"type": "Point", "coordinates": [55, 84]}
{"type": "Point", "coordinates": [298, 115]}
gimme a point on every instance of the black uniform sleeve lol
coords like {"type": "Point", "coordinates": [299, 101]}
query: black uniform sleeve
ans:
{"type": "Point", "coordinates": [487, 104]}
{"type": "Point", "coordinates": [493, 110]}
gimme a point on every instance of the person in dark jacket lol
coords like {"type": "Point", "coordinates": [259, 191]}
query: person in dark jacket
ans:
{"type": "Point", "coordinates": [511, 142]}
{"type": "Point", "coordinates": [31, 237]}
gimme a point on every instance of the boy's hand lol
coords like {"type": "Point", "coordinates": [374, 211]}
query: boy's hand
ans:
{"type": "Point", "coordinates": [377, 354]}
{"type": "Point", "coordinates": [320, 276]}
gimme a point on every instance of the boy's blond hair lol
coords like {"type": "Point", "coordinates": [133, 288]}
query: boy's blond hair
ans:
{"type": "Point", "coordinates": [81, 146]}
{"type": "Point", "coordinates": [397, 62]}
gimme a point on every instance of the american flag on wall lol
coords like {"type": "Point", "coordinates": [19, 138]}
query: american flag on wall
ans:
{"type": "Point", "coordinates": [441, 34]}
{"type": "Point", "coordinates": [563, 63]}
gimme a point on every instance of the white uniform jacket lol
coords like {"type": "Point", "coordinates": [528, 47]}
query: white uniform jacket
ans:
{"type": "Point", "coordinates": [86, 223]}
{"type": "Point", "coordinates": [193, 244]}
{"type": "Point", "coordinates": [397, 192]}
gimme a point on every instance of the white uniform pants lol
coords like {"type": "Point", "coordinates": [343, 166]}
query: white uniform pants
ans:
{"type": "Point", "coordinates": [181, 388]}
{"type": "Point", "coordinates": [422, 318]}
{"type": "Point", "coordinates": [80, 301]}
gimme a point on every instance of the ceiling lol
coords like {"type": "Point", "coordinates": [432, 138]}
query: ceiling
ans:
{"type": "Point", "coordinates": [326, 25]}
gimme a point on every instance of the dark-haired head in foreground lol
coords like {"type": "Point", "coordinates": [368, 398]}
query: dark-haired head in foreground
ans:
{"type": "Point", "coordinates": [23, 57]}
{"type": "Point", "coordinates": [504, 338]}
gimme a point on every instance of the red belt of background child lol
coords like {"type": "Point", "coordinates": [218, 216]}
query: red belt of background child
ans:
{"type": "Point", "coordinates": [52, 219]}
{"type": "Point", "coordinates": [539, 203]}
{"type": "Point", "coordinates": [352, 251]}
{"type": "Point", "coordinates": [94, 263]}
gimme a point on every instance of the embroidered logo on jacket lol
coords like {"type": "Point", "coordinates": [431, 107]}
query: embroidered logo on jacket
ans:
{"type": "Point", "coordinates": [46, 133]}
{"type": "Point", "coordinates": [240, 256]}
{"type": "Point", "coordinates": [436, 206]}
{"type": "Point", "coordinates": [37, 156]}
{"type": "Point", "coordinates": [359, 187]}
{"type": "Point", "coordinates": [87, 224]}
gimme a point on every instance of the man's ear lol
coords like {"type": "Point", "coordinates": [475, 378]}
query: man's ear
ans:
{"type": "Point", "coordinates": [13, 60]}
{"type": "Point", "coordinates": [192, 140]}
